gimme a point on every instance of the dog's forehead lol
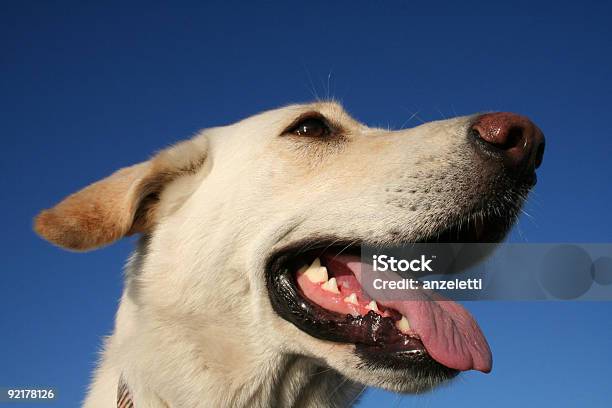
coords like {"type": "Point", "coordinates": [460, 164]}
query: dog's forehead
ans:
{"type": "Point", "coordinates": [332, 110]}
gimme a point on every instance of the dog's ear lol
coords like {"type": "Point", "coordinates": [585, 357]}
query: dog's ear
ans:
{"type": "Point", "coordinates": [122, 204]}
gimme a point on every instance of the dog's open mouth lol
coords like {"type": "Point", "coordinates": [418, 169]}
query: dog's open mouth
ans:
{"type": "Point", "coordinates": [319, 291]}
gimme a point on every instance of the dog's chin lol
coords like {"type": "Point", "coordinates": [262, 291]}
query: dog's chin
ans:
{"type": "Point", "coordinates": [382, 354]}
{"type": "Point", "coordinates": [413, 378]}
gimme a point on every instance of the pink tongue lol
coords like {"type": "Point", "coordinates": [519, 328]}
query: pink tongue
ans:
{"type": "Point", "coordinates": [448, 331]}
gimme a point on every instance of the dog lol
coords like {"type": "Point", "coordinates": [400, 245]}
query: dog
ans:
{"type": "Point", "coordinates": [216, 310]}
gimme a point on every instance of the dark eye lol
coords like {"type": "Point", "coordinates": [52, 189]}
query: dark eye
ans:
{"type": "Point", "coordinates": [310, 127]}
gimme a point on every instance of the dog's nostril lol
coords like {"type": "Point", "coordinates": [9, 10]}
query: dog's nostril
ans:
{"type": "Point", "coordinates": [515, 138]}
{"type": "Point", "coordinates": [512, 136]}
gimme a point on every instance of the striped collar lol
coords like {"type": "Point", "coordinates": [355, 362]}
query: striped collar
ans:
{"type": "Point", "coordinates": [124, 399]}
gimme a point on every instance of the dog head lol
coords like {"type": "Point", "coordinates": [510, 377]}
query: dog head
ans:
{"type": "Point", "coordinates": [234, 218]}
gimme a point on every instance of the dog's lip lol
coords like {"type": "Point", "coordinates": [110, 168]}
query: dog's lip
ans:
{"type": "Point", "coordinates": [371, 334]}
{"type": "Point", "coordinates": [280, 279]}
{"type": "Point", "coordinates": [389, 348]}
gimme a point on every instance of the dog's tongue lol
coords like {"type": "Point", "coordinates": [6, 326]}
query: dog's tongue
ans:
{"type": "Point", "coordinates": [448, 331]}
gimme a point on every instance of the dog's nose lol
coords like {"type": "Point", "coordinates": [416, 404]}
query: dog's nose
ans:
{"type": "Point", "coordinates": [517, 139]}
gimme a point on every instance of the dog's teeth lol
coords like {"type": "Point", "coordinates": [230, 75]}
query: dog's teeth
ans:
{"type": "Point", "coordinates": [403, 325]}
{"type": "Point", "coordinates": [331, 286]}
{"type": "Point", "coordinates": [352, 298]}
{"type": "Point", "coordinates": [316, 263]}
{"type": "Point", "coordinates": [317, 274]}
{"type": "Point", "coordinates": [372, 306]}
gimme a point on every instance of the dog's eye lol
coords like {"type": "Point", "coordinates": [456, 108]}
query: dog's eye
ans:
{"type": "Point", "coordinates": [310, 127]}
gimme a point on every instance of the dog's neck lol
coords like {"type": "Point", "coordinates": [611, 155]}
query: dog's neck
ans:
{"type": "Point", "coordinates": [277, 381]}
{"type": "Point", "coordinates": [169, 361]}
{"type": "Point", "coordinates": [293, 381]}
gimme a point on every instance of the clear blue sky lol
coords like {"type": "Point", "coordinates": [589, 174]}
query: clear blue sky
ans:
{"type": "Point", "coordinates": [85, 90]}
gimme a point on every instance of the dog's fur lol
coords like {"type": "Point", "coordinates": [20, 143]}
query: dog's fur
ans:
{"type": "Point", "coordinates": [195, 326]}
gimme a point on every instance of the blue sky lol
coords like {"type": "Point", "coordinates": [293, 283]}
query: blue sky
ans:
{"type": "Point", "coordinates": [86, 89]}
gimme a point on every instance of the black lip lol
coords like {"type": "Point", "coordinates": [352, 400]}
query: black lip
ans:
{"type": "Point", "coordinates": [376, 340]}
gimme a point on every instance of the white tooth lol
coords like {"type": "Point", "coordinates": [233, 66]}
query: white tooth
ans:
{"type": "Point", "coordinates": [372, 306]}
{"type": "Point", "coordinates": [331, 286]}
{"type": "Point", "coordinates": [352, 298]}
{"type": "Point", "coordinates": [318, 274]}
{"type": "Point", "coordinates": [316, 263]}
{"type": "Point", "coordinates": [314, 272]}
{"type": "Point", "coordinates": [403, 325]}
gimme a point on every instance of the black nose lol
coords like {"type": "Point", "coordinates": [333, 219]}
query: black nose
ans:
{"type": "Point", "coordinates": [517, 139]}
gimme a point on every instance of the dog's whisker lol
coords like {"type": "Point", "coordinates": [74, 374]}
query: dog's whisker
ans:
{"type": "Point", "coordinates": [356, 397]}
{"type": "Point", "coordinates": [441, 114]}
{"type": "Point", "coordinates": [345, 248]}
{"type": "Point", "coordinates": [341, 383]}
{"type": "Point", "coordinates": [329, 75]}
{"type": "Point", "coordinates": [321, 372]}
{"type": "Point", "coordinates": [396, 400]}
{"type": "Point", "coordinates": [409, 119]}
{"type": "Point", "coordinates": [453, 109]}
{"type": "Point", "coordinates": [416, 116]}
{"type": "Point", "coordinates": [313, 89]}
{"type": "Point", "coordinates": [227, 216]}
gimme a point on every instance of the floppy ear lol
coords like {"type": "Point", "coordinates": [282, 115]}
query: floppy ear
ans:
{"type": "Point", "coordinates": [122, 204]}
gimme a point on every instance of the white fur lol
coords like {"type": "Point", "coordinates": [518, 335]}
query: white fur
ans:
{"type": "Point", "coordinates": [195, 327]}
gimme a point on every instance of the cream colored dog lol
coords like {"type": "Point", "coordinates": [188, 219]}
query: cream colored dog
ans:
{"type": "Point", "coordinates": [202, 321]}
